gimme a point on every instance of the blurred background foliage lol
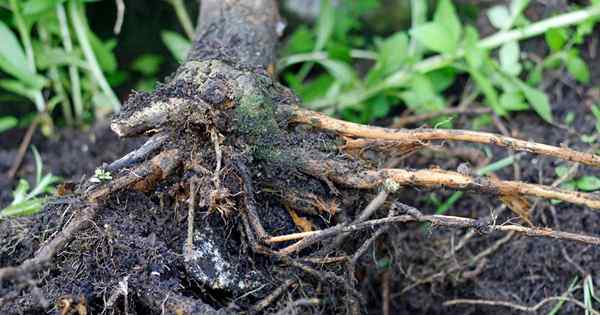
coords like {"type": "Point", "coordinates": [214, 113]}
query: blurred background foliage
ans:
{"type": "Point", "coordinates": [70, 62]}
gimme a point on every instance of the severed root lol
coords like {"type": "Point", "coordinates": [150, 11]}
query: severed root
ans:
{"type": "Point", "coordinates": [413, 215]}
{"type": "Point", "coordinates": [142, 177]}
{"type": "Point", "coordinates": [434, 178]}
{"type": "Point", "coordinates": [357, 130]}
{"type": "Point", "coordinates": [137, 156]}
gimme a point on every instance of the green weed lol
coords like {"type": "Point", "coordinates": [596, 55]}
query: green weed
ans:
{"type": "Point", "coordinates": [415, 67]}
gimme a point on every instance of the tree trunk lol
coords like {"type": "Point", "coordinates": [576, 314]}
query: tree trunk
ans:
{"type": "Point", "coordinates": [238, 32]}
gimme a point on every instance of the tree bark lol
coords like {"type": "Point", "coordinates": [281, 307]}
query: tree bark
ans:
{"type": "Point", "coordinates": [240, 32]}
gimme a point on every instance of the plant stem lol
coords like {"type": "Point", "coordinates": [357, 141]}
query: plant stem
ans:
{"type": "Point", "coordinates": [418, 10]}
{"type": "Point", "coordinates": [321, 55]}
{"type": "Point", "coordinates": [38, 99]}
{"type": "Point", "coordinates": [73, 73]}
{"type": "Point", "coordinates": [183, 17]}
{"type": "Point", "coordinates": [81, 31]}
{"type": "Point", "coordinates": [55, 77]}
{"type": "Point", "coordinates": [439, 61]}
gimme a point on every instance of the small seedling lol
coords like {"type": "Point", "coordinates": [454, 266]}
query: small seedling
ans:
{"type": "Point", "coordinates": [101, 175]}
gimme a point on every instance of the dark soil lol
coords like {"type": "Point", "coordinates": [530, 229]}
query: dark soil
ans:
{"type": "Point", "coordinates": [137, 239]}
{"type": "Point", "coordinates": [141, 241]}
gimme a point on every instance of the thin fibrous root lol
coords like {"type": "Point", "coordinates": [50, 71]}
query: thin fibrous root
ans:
{"type": "Point", "coordinates": [309, 238]}
{"type": "Point", "coordinates": [156, 168]}
{"type": "Point", "coordinates": [45, 254]}
{"type": "Point", "coordinates": [324, 122]}
{"type": "Point", "coordinates": [519, 307]}
{"type": "Point", "coordinates": [436, 178]}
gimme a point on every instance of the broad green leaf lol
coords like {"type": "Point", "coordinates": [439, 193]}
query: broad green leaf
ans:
{"type": "Point", "coordinates": [513, 101]}
{"type": "Point", "coordinates": [338, 51]}
{"type": "Point", "coordinates": [578, 68]}
{"type": "Point", "coordinates": [442, 78]}
{"type": "Point", "coordinates": [302, 40]}
{"type": "Point", "coordinates": [11, 48]}
{"type": "Point", "coordinates": [421, 97]}
{"type": "Point", "coordinates": [20, 191]}
{"type": "Point", "coordinates": [509, 58]}
{"type": "Point", "coordinates": [177, 44]}
{"type": "Point", "coordinates": [583, 29]}
{"type": "Point", "coordinates": [54, 56]}
{"type": "Point", "coordinates": [341, 71]}
{"type": "Point", "coordinates": [312, 89]}
{"type": "Point", "coordinates": [32, 7]}
{"type": "Point", "coordinates": [473, 54]}
{"type": "Point", "coordinates": [379, 107]}
{"type": "Point", "coordinates": [103, 51]}
{"type": "Point", "coordinates": [434, 36]}
{"type": "Point", "coordinates": [19, 88]}
{"type": "Point", "coordinates": [538, 100]}
{"type": "Point", "coordinates": [517, 6]}
{"type": "Point", "coordinates": [556, 38]}
{"type": "Point", "coordinates": [445, 15]}
{"type": "Point", "coordinates": [499, 17]}
{"type": "Point", "coordinates": [486, 86]}
{"type": "Point", "coordinates": [588, 183]}
{"type": "Point", "coordinates": [7, 123]}
{"type": "Point", "coordinates": [324, 24]}
{"type": "Point", "coordinates": [561, 170]}
{"type": "Point", "coordinates": [596, 112]}
{"type": "Point", "coordinates": [23, 208]}
{"type": "Point", "coordinates": [147, 64]}
{"type": "Point", "coordinates": [392, 52]}
{"type": "Point", "coordinates": [13, 60]}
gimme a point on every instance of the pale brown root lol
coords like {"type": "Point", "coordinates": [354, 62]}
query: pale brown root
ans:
{"type": "Point", "coordinates": [269, 299]}
{"type": "Point", "coordinates": [522, 308]}
{"type": "Point", "coordinates": [437, 178]}
{"type": "Point", "coordinates": [324, 122]}
{"type": "Point", "coordinates": [309, 238]}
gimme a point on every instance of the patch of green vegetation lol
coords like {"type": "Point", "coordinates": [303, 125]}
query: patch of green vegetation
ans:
{"type": "Point", "coordinates": [27, 201]}
{"type": "Point", "coordinates": [416, 67]}
{"type": "Point", "coordinates": [48, 46]}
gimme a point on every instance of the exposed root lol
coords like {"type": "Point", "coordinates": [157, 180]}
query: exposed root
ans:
{"type": "Point", "coordinates": [324, 122]}
{"type": "Point", "coordinates": [436, 178]}
{"type": "Point", "coordinates": [273, 296]}
{"type": "Point", "coordinates": [142, 177]}
{"type": "Point", "coordinates": [45, 254]}
{"type": "Point", "coordinates": [252, 215]}
{"type": "Point", "coordinates": [414, 215]}
{"type": "Point", "coordinates": [519, 307]}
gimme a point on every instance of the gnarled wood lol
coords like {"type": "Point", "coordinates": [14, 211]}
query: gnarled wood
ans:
{"type": "Point", "coordinates": [242, 32]}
